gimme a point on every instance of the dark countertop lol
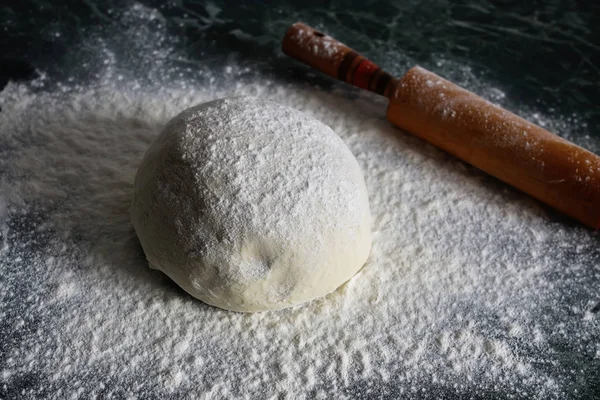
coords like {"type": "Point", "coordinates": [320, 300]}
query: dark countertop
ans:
{"type": "Point", "coordinates": [544, 55]}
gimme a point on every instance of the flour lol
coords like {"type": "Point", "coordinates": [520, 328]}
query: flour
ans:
{"type": "Point", "coordinates": [472, 288]}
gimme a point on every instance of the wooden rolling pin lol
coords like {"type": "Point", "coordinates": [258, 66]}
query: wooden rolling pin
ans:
{"type": "Point", "coordinates": [549, 168]}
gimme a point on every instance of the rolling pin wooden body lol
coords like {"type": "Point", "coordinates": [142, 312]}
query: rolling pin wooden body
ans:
{"type": "Point", "coordinates": [520, 153]}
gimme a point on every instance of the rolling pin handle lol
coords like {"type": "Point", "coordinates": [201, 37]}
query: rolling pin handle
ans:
{"type": "Point", "coordinates": [335, 59]}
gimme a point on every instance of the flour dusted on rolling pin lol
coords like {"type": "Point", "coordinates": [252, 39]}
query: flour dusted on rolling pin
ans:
{"type": "Point", "coordinates": [326, 47]}
{"type": "Point", "coordinates": [502, 144]}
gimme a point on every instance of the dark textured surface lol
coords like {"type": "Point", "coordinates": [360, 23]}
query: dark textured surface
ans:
{"type": "Point", "coordinates": [544, 55]}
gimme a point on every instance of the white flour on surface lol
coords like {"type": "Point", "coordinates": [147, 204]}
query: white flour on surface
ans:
{"type": "Point", "coordinates": [471, 287]}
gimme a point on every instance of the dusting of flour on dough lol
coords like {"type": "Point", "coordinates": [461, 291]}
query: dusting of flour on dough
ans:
{"type": "Point", "coordinates": [251, 206]}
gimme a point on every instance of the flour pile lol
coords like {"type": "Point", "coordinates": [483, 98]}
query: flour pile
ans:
{"type": "Point", "coordinates": [471, 288]}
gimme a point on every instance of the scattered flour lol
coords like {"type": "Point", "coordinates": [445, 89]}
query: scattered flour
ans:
{"type": "Point", "coordinates": [471, 289]}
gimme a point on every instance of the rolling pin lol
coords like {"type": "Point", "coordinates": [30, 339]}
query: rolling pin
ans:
{"type": "Point", "coordinates": [514, 150]}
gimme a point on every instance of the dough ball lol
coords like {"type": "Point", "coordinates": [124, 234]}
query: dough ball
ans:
{"type": "Point", "coordinates": [249, 205]}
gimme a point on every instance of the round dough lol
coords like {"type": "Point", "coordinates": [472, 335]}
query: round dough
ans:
{"type": "Point", "coordinates": [249, 205]}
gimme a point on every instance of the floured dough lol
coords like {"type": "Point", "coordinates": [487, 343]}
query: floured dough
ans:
{"type": "Point", "coordinates": [249, 205]}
